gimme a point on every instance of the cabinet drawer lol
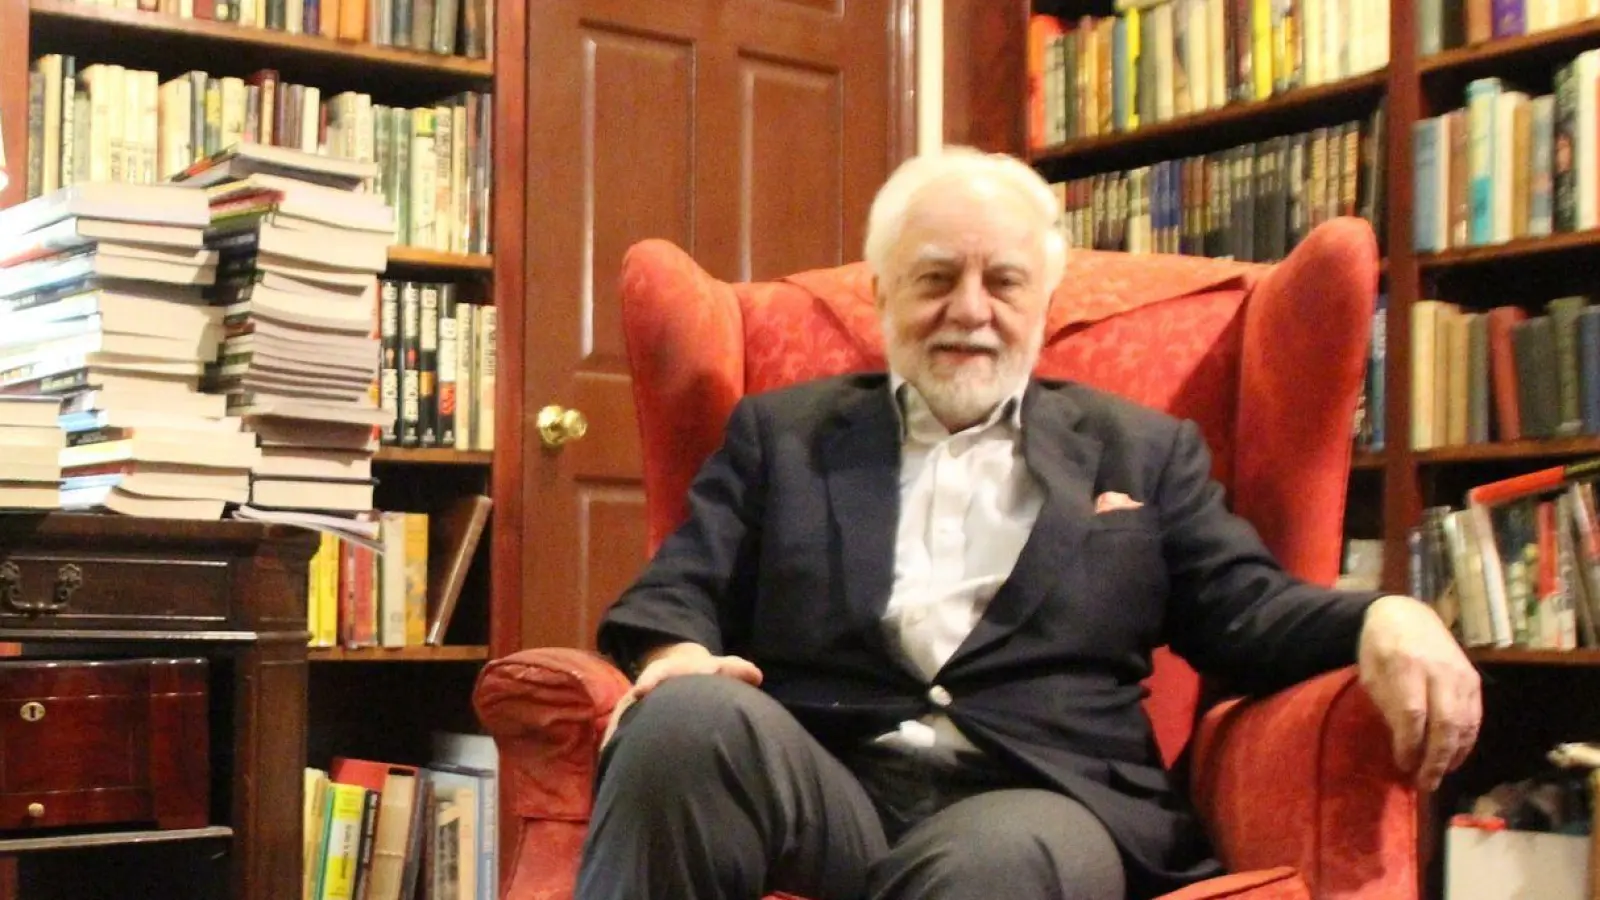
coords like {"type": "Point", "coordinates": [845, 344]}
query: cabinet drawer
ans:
{"type": "Point", "coordinates": [106, 591]}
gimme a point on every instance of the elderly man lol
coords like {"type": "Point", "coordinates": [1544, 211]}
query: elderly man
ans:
{"type": "Point", "coordinates": [896, 649]}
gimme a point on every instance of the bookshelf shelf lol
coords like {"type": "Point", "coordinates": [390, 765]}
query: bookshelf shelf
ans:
{"type": "Point", "coordinates": [1367, 461]}
{"type": "Point", "coordinates": [1511, 450]}
{"type": "Point", "coordinates": [1511, 251]}
{"type": "Point", "coordinates": [424, 258]}
{"type": "Point", "coordinates": [1525, 656]}
{"type": "Point", "coordinates": [1239, 122]}
{"type": "Point", "coordinates": [438, 456]}
{"type": "Point", "coordinates": [113, 839]}
{"type": "Point", "coordinates": [72, 23]}
{"type": "Point", "coordinates": [1492, 56]}
{"type": "Point", "coordinates": [449, 653]}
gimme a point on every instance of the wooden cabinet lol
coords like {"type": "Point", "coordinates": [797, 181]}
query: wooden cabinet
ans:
{"type": "Point", "coordinates": [230, 597]}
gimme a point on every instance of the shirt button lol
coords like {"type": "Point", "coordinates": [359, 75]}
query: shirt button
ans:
{"type": "Point", "coordinates": [938, 696]}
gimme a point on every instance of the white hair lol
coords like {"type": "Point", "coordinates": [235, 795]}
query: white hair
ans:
{"type": "Point", "coordinates": [893, 202]}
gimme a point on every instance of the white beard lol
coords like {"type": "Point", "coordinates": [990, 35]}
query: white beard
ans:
{"type": "Point", "coordinates": [969, 392]}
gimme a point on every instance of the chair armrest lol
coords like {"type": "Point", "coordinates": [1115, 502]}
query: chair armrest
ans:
{"type": "Point", "coordinates": [547, 710]}
{"type": "Point", "coordinates": [1306, 778]}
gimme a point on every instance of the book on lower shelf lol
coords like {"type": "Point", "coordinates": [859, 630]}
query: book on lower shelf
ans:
{"type": "Point", "coordinates": [1519, 564]}
{"type": "Point", "coordinates": [387, 831]}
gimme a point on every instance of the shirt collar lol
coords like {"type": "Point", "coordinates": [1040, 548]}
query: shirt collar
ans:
{"type": "Point", "coordinates": [912, 413]}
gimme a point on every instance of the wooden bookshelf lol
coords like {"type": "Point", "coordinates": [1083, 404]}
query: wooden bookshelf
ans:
{"type": "Point", "coordinates": [1555, 44]}
{"type": "Point", "coordinates": [1237, 123]}
{"type": "Point", "coordinates": [84, 25]}
{"type": "Point", "coordinates": [448, 653]}
{"type": "Point", "coordinates": [1517, 251]}
{"type": "Point", "coordinates": [1510, 450]}
{"type": "Point", "coordinates": [1526, 657]}
{"type": "Point", "coordinates": [424, 258]}
{"type": "Point", "coordinates": [341, 709]}
{"type": "Point", "coordinates": [434, 456]}
{"type": "Point", "coordinates": [1366, 461]}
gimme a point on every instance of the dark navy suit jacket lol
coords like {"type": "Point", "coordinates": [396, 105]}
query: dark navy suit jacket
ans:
{"type": "Point", "coordinates": [787, 560]}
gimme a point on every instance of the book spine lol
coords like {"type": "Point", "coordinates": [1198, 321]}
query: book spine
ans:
{"type": "Point", "coordinates": [449, 346]}
{"type": "Point", "coordinates": [389, 357]}
{"type": "Point", "coordinates": [428, 368]}
{"type": "Point", "coordinates": [466, 387]}
{"type": "Point", "coordinates": [483, 409]}
{"type": "Point", "coordinates": [410, 353]}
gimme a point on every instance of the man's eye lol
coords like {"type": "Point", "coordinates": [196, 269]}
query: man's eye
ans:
{"type": "Point", "coordinates": [933, 279]}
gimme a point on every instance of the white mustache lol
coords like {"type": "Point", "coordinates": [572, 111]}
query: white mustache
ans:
{"type": "Point", "coordinates": [986, 339]}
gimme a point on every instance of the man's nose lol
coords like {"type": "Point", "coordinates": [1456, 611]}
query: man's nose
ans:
{"type": "Point", "coordinates": [969, 306]}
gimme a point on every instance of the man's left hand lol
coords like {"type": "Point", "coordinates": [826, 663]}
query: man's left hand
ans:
{"type": "Point", "coordinates": [1423, 684]}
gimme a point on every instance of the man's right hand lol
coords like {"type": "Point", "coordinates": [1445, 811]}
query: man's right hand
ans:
{"type": "Point", "coordinates": [673, 661]}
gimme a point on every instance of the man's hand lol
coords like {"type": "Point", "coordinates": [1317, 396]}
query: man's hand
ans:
{"type": "Point", "coordinates": [674, 660]}
{"type": "Point", "coordinates": [1421, 681]}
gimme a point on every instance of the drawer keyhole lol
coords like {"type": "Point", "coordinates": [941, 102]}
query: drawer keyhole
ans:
{"type": "Point", "coordinates": [32, 711]}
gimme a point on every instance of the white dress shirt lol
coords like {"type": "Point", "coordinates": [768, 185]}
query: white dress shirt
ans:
{"type": "Point", "coordinates": [967, 506]}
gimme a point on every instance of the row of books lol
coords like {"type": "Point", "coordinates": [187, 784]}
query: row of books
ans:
{"type": "Point", "coordinates": [405, 596]}
{"type": "Point", "coordinates": [1447, 24]}
{"type": "Point", "coordinates": [1503, 375]}
{"type": "Point", "coordinates": [449, 27]}
{"type": "Point", "coordinates": [393, 831]}
{"type": "Point", "coordinates": [437, 369]}
{"type": "Point", "coordinates": [1254, 202]}
{"type": "Point", "coordinates": [1163, 59]}
{"type": "Point", "coordinates": [1518, 564]}
{"type": "Point", "coordinates": [105, 122]}
{"type": "Point", "coordinates": [1509, 165]}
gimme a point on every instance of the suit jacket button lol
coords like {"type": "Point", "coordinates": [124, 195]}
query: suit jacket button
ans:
{"type": "Point", "coordinates": [938, 696]}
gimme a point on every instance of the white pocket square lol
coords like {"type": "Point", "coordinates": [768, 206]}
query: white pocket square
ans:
{"type": "Point", "coordinates": [1111, 501]}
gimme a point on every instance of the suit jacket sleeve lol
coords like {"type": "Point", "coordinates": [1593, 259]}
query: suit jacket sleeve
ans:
{"type": "Point", "coordinates": [691, 590]}
{"type": "Point", "coordinates": [1234, 611]}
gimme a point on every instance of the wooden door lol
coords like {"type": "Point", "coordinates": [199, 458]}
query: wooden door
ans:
{"type": "Point", "coordinates": [753, 133]}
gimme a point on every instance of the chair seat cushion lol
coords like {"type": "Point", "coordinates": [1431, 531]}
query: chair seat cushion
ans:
{"type": "Point", "coordinates": [1267, 884]}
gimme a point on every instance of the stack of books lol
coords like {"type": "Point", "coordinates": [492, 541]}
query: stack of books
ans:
{"type": "Point", "coordinates": [30, 452]}
{"type": "Point", "coordinates": [101, 308]}
{"type": "Point", "coordinates": [300, 244]}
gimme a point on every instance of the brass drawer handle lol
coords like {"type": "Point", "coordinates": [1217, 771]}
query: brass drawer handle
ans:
{"type": "Point", "coordinates": [68, 579]}
{"type": "Point", "coordinates": [11, 587]}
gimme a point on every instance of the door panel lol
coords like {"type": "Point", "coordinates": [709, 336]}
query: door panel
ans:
{"type": "Point", "coordinates": [750, 132]}
{"type": "Point", "coordinates": [793, 166]}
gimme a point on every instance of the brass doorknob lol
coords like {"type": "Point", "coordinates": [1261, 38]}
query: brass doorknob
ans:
{"type": "Point", "coordinates": [36, 810]}
{"type": "Point", "coordinates": [559, 426]}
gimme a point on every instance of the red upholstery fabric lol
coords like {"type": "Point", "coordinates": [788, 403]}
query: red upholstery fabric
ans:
{"type": "Point", "coordinates": [1228, 345]}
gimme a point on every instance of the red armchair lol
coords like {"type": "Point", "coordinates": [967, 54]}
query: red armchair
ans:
{"type": "Point", "coordinates": [1298, 789]}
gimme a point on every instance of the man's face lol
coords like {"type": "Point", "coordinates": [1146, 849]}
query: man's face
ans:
{"type": "Point", "coordinates": [963, 300]}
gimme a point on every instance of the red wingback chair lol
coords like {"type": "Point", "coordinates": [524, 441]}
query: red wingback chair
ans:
{"type": "Point", "coordinates": [1299, 791]}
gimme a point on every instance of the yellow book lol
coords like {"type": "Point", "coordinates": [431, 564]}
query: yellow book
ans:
{"type": "Point", "coordinates": [1261, 48]}
{"type": "Point", "coordinates": [416, 538]}
{"type": "Point", "coordinates": [328, 610]}
{"type": "Point", "coordinates": [1130, 68]}
{"type": "Point", "coordinates": [341, 847]}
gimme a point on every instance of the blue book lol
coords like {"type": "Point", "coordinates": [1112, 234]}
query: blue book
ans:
{"type": "Point", "coordinates": [1425, 161]}
{"type": "Point", "coordinates": [1482, 96]}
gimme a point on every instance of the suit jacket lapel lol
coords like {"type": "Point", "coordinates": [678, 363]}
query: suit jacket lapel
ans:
{"type": "Point", "coordinates": [1065, 462]}
{"type": "Point", "coordinates": [861, 463]}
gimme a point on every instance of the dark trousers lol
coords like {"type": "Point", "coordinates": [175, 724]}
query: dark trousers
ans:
{"type": "Point", "coordinates": [710, 790]}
